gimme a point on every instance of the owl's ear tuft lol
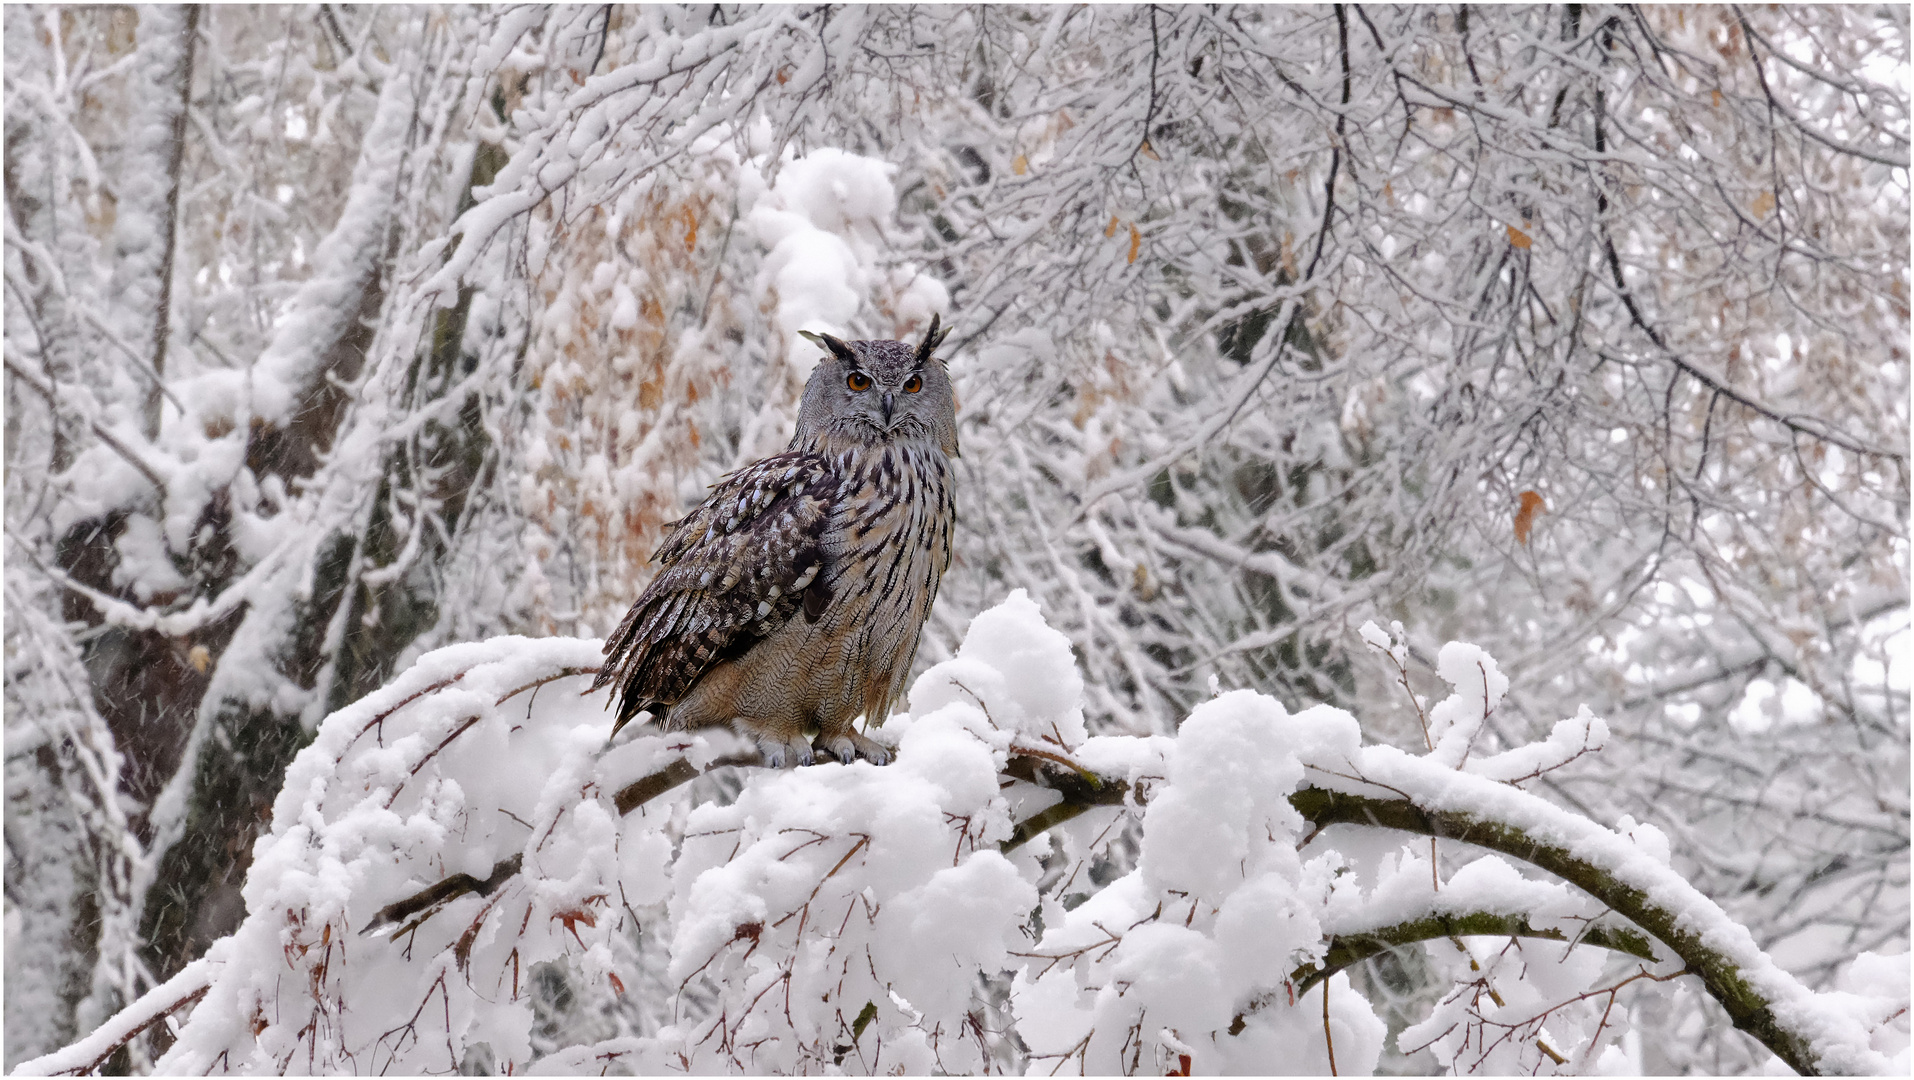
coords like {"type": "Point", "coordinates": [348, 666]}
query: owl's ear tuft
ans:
{"type": "Point", "coordinates": [842, 350]}
{"type": "Point", "coordinates": [933, 337]}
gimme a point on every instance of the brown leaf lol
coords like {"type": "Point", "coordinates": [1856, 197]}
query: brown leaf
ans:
{"type": "Point", "coordinates": [1525, 515]}
{"type": "Point", "coordinates": [1021, 165]}
{"type": "Point", "coordinates": [1764, 204]}
{"type": "Point", "coordinates": [1136, 242]}
{"type": "Point", "coordinates": [1519, 238]}
{"type": "Point", "coordinates": [691, 228]}
{"type": "Point", "coordinates": [1111, 229]}
{"type": "Point", "coordinates": [572, 918]}
{"type": "Point", "coordinates": [1148, 151]}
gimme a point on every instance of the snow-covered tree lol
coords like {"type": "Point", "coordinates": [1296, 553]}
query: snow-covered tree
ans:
{"type": "Point", "coordinates": [336, 336]}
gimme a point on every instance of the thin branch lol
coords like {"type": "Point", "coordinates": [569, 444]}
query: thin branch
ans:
{"type": "Point", "coordinates": [1796, 122]}
{"type": "Point", "coordinates": [51, 392]}
{"type": "Point", "coordinates": [412, 911]}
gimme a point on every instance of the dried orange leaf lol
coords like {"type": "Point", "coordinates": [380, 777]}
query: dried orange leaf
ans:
{"type": "Point", "coordinates": [1525, 515]}
{"type": "Point", "coordinates": [1111, 229]}
{"type": "Point", "coordinates": [1764, 204]}
{"type": "Point", "coordinates": [1136, 242]}
{"type": "Point", "coordinates": [1148, 151]}
{"type": "Point", "coordinates": [1021, 165]}
{"type": "Point", "coordinates": [1519, 238]}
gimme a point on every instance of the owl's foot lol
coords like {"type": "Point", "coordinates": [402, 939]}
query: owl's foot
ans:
{"type": "Point", "coordinates": [848, 746]}
{"type": "Point", "coordinates": [783, 753]}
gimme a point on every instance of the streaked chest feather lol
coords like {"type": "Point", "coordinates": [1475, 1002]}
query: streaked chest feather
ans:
{"type": "Point", "coordinates": [892, 530]}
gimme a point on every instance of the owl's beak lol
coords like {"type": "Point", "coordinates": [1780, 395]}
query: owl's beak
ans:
{"type": "Point", "coordinates": [890, 400]}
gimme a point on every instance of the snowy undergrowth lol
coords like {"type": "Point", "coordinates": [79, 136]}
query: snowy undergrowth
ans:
{"type": "Point", "coordinates": [854, 917]}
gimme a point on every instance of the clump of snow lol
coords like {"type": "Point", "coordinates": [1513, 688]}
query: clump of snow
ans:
{"type": "Point", "coordinates": [1017, 669]}
{"type": "Point", "coordinates": [1646, 837]}
{"type": "Point", "coordinates": [1228, 792]}
{"type": "Point", "coordinates": [1479, 686]}
{"type": "Point", "coordinates": [822, 222]}
{"type": "Point", "coordinates": [1218, 911]}
{"type": "Point", "coordinates": [1583, 733]}
{"type": "Point", "coordinates": [1395, 648]}
{"type": "Point", "coordinates": [1873, 989]}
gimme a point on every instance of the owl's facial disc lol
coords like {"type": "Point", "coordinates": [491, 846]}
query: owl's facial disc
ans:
{"type": "Point", "coordinates": [871, 392]}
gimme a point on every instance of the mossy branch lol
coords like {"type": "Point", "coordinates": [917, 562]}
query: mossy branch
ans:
{"type": "Point", "coordinates": [1348, 950]}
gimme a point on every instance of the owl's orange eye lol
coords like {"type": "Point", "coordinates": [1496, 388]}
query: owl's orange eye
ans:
{"type": "Point", "coordinates": [858, 381]}
{"type": "Point", "coordinates": [913, 384]}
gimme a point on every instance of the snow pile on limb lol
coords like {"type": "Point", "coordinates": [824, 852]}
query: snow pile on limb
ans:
{"type": "Point", "coordinates": [856, 918]}
{"type": "Point", "coordinates": [1154, 971]}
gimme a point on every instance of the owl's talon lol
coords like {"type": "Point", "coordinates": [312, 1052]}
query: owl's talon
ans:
{"type": "Point", "coordinates": [850, 746]}
{"type": "Point", "coordinates": [779, 754]}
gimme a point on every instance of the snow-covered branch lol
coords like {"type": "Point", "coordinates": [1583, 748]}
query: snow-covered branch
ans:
{"type": "Point", "coordinates": [403, 831]}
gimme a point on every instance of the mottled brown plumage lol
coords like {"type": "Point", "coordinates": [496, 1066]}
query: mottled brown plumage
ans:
{"type": "Point", "coordinates": [793, 597]}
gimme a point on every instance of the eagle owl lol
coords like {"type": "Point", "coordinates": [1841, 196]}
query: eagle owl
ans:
{"type": "Point", "coordinates": [793, 597]}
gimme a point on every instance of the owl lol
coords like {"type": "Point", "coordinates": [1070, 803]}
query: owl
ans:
{"type": "Point", "coordinates": [792, 599]}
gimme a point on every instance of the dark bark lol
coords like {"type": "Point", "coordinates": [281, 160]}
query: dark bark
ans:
{"type": "Point", "coordinates": [196, 899]}
{"type": "Point", "coordinates": [176, 157]}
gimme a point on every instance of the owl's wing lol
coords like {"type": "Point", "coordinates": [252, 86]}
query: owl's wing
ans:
{"type": "Point", "coordinates": [735, 569]}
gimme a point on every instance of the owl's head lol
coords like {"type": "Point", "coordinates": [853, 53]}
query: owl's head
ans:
{"type": "Point", "coordinates": [869, 392]}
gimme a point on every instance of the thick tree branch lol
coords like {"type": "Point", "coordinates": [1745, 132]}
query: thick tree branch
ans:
{"type": "Point", "coordinates": [1081, 792]}
{"type": "Point", "coordinates": [1745, 1006]}
{"type": "Point", "coordinates": [1348, 950]}
{"type": "Point", "coordinates": [169, 225]}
